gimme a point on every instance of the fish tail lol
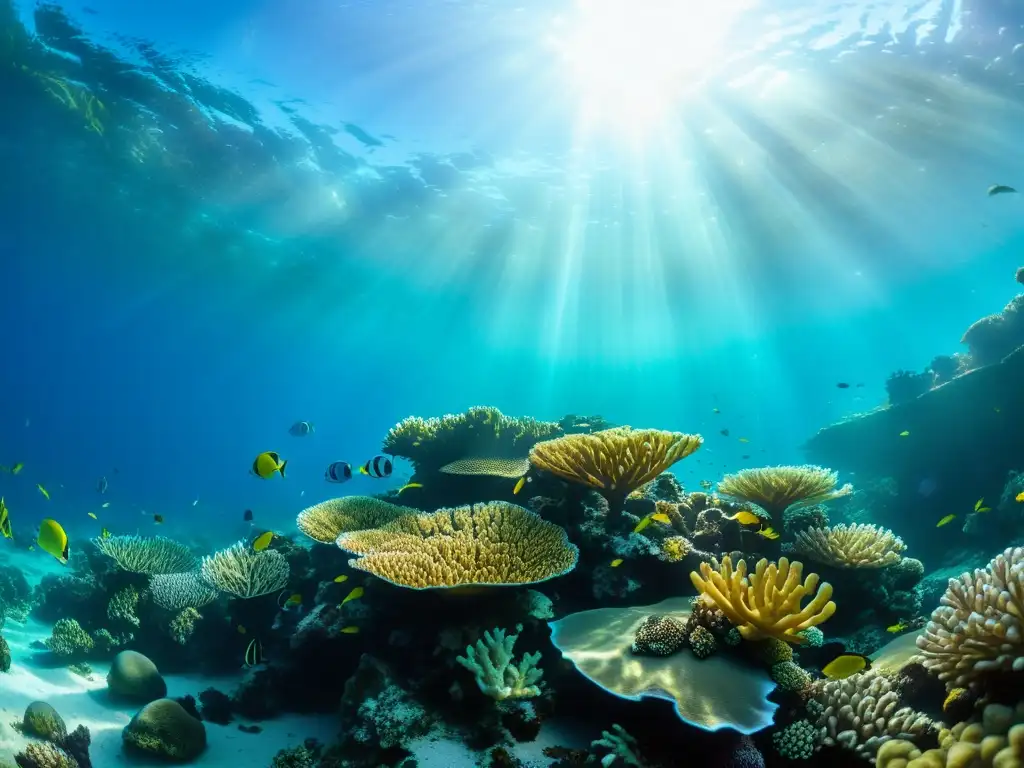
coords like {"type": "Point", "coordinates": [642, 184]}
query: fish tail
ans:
{"type": "Point", "coordinates": [283, 465]}
{"type": "Point", "coordinates": [362, 471]}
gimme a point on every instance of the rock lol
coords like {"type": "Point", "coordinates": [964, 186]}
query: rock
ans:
{"type": "Point", "coordinates": [133, 677]}
{"type": "Point", "coordinates": [164, 730]}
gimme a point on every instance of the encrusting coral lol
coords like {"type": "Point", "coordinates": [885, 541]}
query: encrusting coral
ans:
{"type": "Point", "coordinates": [490, 544]}
{"type": "Point", "coordinates": [979, 627]}
{"type": "Point", "coordinates": [613, 461]}
{"type": "Point", "coordinates": [659, 636]}
{"type": "Point", "coordinates": [776, 489]}
{"type": "Point", "coordinates": [767, 602]}
{"type": "Point", "coordinates": [245, 573]}
{"type": "Point", "coordinates": [490, 661]}
{"type": "Point", "coordinates": [147, 555]}
{"type": "Point", "coordinates": [326, 521]}
{"type": "Point", "coordinates": [853, 546]}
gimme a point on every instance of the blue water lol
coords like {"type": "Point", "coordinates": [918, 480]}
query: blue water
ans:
{"type": "Point", "coordinates": [813, 212]}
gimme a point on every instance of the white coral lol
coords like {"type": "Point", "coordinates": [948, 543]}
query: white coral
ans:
{"type": "Point", "coordinates": [490, 661]}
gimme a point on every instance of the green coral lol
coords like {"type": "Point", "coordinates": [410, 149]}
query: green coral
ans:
{"type": "Point", "coordinates": [165, 730]}
{"type": "Point", "coordinates": [68, 640]}
{"type": "Point", "coordinates": [106, 642]}
{"type": "Point", "coordinates": [296, 757]}
{"type": "Point", "coordinates": [621, 746]}
{"type": "Point", "coordinates": [797, 741]}
{"type": "Point", "coordinates": [790, 677]}
{"type": "Point", "coordinates": [123, 606]}
{"type": "Point", "coordinates": [45, 755]}
{"type": "Point", "coordinates": [490, 661]}
{"type": "Point", "coordinates": [480, 432]}
{"type": "Point", "coordinates": [183, 625]}
{"type": "Point", "coordinates": [82, 669]}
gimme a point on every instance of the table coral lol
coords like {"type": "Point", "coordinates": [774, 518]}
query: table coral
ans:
{"type": "Point", "coordinates": [776, 489]}
{"type": "Point", "coordinates": [178, 591]}
{"type": "Point", "coordinates": [145, 554]}
{"type": "Point", "coordinates": [850, 546]}
{"type": "Point", "coordinates": [326, 521]}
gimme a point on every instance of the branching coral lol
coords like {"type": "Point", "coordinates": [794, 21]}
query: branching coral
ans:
{"type": "Point", "coordinates": [45, 755]}
{"type": "Point", "coordinates": [68, 639]}
{"type": "Point", "coordinates": [326, 521]}
{"type": "Point", "coordinates": [767, 603]}
{"type": "Point", "coordinates": [776, 489]}
{"type": "Point", "coordinates": [621, 748]}
{"type": "Point", "coordinates": [862, 712]}
{"type": "Point", "coordinates": [490, 661]}
{"type": "Point", "coordinates": [148, 555]}
{"type": "Point", "coordinates": [177, 591]}
{"type": "Point", "coordinates": [853, 546]}
{"type": "Point", "coordinates": [979, 627]}
{"type": "Point", "coordinates": [485, 544]}
{"type": "Point", "coordinates": [614, 461]}
{"type": "Point", "coordinates": [123, 606]}
{"type": "Point", "coordinates": [183, 625]}
{"type": "Point", "coordinates": [244, 572]}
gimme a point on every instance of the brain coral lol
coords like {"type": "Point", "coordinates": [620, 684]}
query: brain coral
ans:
{"type": "Point", "coordinates": [326, 521]}
{"type": "Point", "coordinates": [493, 544]}
{"type": "Point", "coordinates": [853, 546]}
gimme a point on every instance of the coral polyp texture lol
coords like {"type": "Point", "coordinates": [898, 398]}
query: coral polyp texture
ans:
{"type": "Point", "coordinates": [497, 675]}
{"type": "Point", "coordinates": [177, 591]}
{"type": "Point", "coordinates": [492, 544]}
{"type": "Point", "coordinates": [614, 461]}
{"type": "Point", "coordinates": [243, 572]}
{"type": "Point", "coordinates": [978, 629]}
{"type": "Point", "coordinates": [850, 546]}
{"type": "Point", "coordinates": [863, 711]}
{"type": "Point", "coordinates": [776, 489]}
{"type": "Point", "coordinates": [145, 554]}
{"type": "Point", "coordinates": [765, 603]}
{"type": "Point", "coordinates": [326, 521]}
{"type": "Point", "coordinates": [659, 636]}
{"type": "Point", "coordinates": [489, 467]}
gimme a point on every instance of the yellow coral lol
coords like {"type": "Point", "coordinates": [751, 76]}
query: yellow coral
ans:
{"type": "Point", "coordinates": [675, 548]}
{"type": "Point", "coordinates": [614, 461]}
{"type": "Point", "coordinates": [490, 544]}
{"type": "Point", "coordinates": [853, 546]}
{"type": "Point", "coordinates": [326, 521]}
{"type": "Point", "coordinates": [767, 603]}
{"type": "Point", "coordinates": [775, 489]}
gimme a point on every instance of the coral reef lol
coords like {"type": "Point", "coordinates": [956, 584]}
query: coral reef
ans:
{"type": "Point", "coordinates": [904, 386]}
{"type": "Point", "coordinates": [659, 636]}
{"type": "Point", "coordinates": [133, 677]}
{"type": "Point", "coordinates": [178, 591]}
{"type": "Point", "coordinates": [491, 663]}
{"type": "Point", "coordinates": [68, 640]}
{"type": "Point", "coordinates": [45, 755]}
{"type": "Point", "coordinates": [777, 489]}
{"type": "Point", "coordinates": [853, 546]}
{"type": "Point", "coordinates": [42, 720]}
{"type": "Point", "coordinates": [147, 555]}
{"type": "Point", "coordinates": [326, 521]}
{"type": "Point", "coordinates": [798, 740]}
{"type": "Point", "coordinates": [244, 572]}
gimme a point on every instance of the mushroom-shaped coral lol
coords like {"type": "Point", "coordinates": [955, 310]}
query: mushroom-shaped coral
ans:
{"type": "Point", "coordinates": [853, 546]}
{"type": "Point", "coordinates": [776, 489]}
{"type": "Point", "coordinates": [659, 636]}
{"type": "Point", "coordinates": [767, 603]}
{"type": "Point", "coordinates": [326, 521]}
{"type": "Point", "coordinates": [492, 544]}
{"type": "Point", "coordinates": [146, 554]}
{"type": "Point", "coordinates": [979, 627]}
{"type": "Point", "coordinates": [614, 461]}
{"type": "Point", "coordinates": [244, 572]}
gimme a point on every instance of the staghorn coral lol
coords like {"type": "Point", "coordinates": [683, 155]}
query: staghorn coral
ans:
{"type": "Point", "coordinates": [490, 661]}
{"type": "Point", "coordinates": [861, 712]}
{"type": "Point", "coordinates": [995, 742]}
{"type": "Point", "coordinates": [147, 555]}
{"type": "Point", "coordinates": [659, 636]}
{"type": "Point", "coordinates": [183, 625]}
{"type": "Point", "coordinates": [69, 640]}
{"type": "Point", "coordinates": [850, 546]}
{"type": "Point", "coordinates": [245, 573]}
{"type": "Point", "coordinates": [490, 544]}
{"type": "Point", "coordinates": [178, 591]}
{"type": "Point", "coordinates": [326, 521]}
{"type": "Point", "coordinates": [979, 627]}
{"type": "Point", "coordinates": [776, 489]}
{"type": "Point", "coordinates": [613, 461]}
{"type": "Point", "coordinates": [511, 468]}
{"type": "Point", "coordinates": [767, 602]}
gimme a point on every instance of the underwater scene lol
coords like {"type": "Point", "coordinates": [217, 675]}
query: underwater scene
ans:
{"type": "Point", "coordinates": [512, 384]}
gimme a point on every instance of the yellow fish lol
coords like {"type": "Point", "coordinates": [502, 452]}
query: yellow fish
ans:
{"type": "Point", "coordinates": [350, 630]}
{"type": "Point", "coordinates": [845, 665]}
{"type": "Point", "coordinates": [267, 463]}
{"type": "Point", "coordinates": [944, 521]}
{"type": "Point", "coordinates": [263, 541]}
{"type": "Point", "coordinates": [409, 486]}
{"type": "Point", "coordinates": [745, 517]}
{"type": "Point", "coordinates": [53, 540]}
{"type": "Point", "coordinates": [5, 521]}
{"type": "Point", "coordinates": [617, 562]}
{"type": "Point", "coordinates": [355, 594]}
{"type": "Point", "coordinates": [293, 601]}
{"type": "Point", "coordinates": [979, 506]}
{"type": "Point", "coordinates": [644, 522]}
{"type": "Point", "coordinates": [105, 504]}
{"type": "Point", "coordinates": [519, 485]}
{"type": "Point", "coordinates": [416, 444]}
{"type": "Point", "coordinates": [46, 493]}
{"type": "Point", "coordinates": [241, 629]}
{"type": "Point", "coordinates": [17, 468]}
{"type": "Point", "coordinates": [104, 534]}
{"type": "Point", "coordinates": [661, 517]}
{"type": "Point", "coordinates": [1019, 496]}
{"type": "Point", "coordinates": [340, 579]}
{"type": "Point", "coordinates": [768, 533]}
{"type": "Point", "coordinates": [905, 433]}
{"type": "Point", "coordinates": [744, 440]}
{"type": "Point", "coordinates": [896, 627]}
{"type": "Point", "coordinates": [93, 516]}
{"type": "Point", "coordinates": [254, 653]}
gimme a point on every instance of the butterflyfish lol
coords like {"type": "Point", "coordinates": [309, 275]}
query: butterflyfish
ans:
{"type": "Point", "coordinates": [617, 562]}
{"type": "Point", "coordinates": [378, 466]}
{"type": "Point", "coordinates": [661, 517]}
{"type": "Point", "coordinates": [5, 521]}
{"type": "Point", "coordinates": [294, 601]}
{"type": "Point", "coordinates": [267, 463]}
{"type": "Point", "coordinates": [263, 541]}
{"type": "Point", "coordinates": [846, 664]}
{"type": "Point", "coordinates": [254, 653]}
{"type": "Point", "coordinates": [46, 493]}
{"type": "Point", "coordinates": [355, 594]}
{"type": "Point", "coordinates": [979, 506]}
{"type": "Point", "coordinates": [53, 540]}
{"type": "Point", "coordinates": [409, 487]}
{"type": "Point", "coordinates": [301, 428]}
{"type": "Point", "coordinates": [338, 472]}
{"type": "Point", "coordinates": [945, 521]}
{"type": "Point", "coordinates": [745, 517]}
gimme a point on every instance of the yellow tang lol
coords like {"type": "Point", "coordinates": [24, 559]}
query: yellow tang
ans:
{"type": "Point", "coordinates": [745, 517]}
{"type": "Point", "coordinates": [945, 520]}
{"type": "Point", "coordinates": [350, 630]}
{"type": "Point", "coordinates": [769, 533]}
{"type": "Point", "coordinates": [744, 440]}
{"type": "Point", "coordinates": [263, 541]}
{"type": "Point", "coordinates": [979, 506]}
{"type": "Point", "coordinates": [53, 540]}
{"type": "Point", "coordinates": [845, 665]}
{"type": "Point", "coordinates": [617, 562]}
{"type": "Point", "coordinates": [519, 485]}
{"type": "Point", "coordinates": [642, 524]}
{"type": "Point", "coordinates": [267, 463]}
{"type": "Point", "coordinates": [355, 594]}
{"type": "Point", "coordinates": [340, 579]}
{"type": "Point", "coordinates": [46, 493]}
{"type": "Point", "coordinates": [5, 521]}
{"type": "Point", "coordinates": [661, 517]}
{"type": "Point", "coordinates": [896, 628]}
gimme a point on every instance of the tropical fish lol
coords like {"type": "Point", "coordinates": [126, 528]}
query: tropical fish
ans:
{"type": "Point", "coordinates": [946, 520]}
{"type": "Point", "coordinates": [519, 485]}
{"type": "Point", "coordinates": [350, 630]}
{"type": "Point", "coordinates": [617, 562]}
{"type": "Point", "coordinates": [101, 485]}
{"type": "Point", "coordinates": [338, 472]}
{"type": "Point", "coordinates": [745, 517]}
{"type": "Point", "coordinates": [53, 540]}
{"type": "Point", "coordinates": [241, 629]}
{"type": "Point", "coordinates": [769, 533]}
{"type": "Point", "coordinates": [17, 468]}
{"type": "Point", "coordinates": [899, 627]}
{"type": "Point", "coordinates": [247, 516]}
{"type": "Point", "coordinates": [46, 493]}
{"type": "Point", "coordinates": [5, 521]}
{"type": "Point", "coordinates": [409, 487]}
{"type": "Point", "coordinates": [846, 664]}
{"type": "Point", "coordinates": [715, 410]}
{"type": "Point", "coordinates": [1019, 496]}
{"type": "Point", "coordinates": [340, 579]}
{"type": "Point", "coordinates": [158, 519]}
{"type": "Point", "coordinates": [301, 428]}
{"type": "Point", "coordinates": [105, 504]}
{"type": "Point", "coordinates": [644, 522]}
{"type": "Point", "coordinates": [661, 517]}
{"type": "Point", "coordinates": [979, 506]}
{"type": "Point", "coordinates": [267, 463]}
{"type": "Point", "coordinates": [93, 515]}
{"type": "Point", "coordinates": [254, 653]}
{"type": "Point", "coordinates": [378, 466]}
{"type": "Point", "coordinates": [744, 440]}
{"type": "Point", "coordinates": [1000, 189]}
{"type": "Point", "coordinates": [263, 541]}
{"type": "Point", "coordinates": [105, 534]}
{"type": "Point", "coordinates": [723, 432]}
{"type": "Point", "coordinates": [905, 433]}
{"type": "Point", "coordinates": [355, 594]}
{"type": "Point", "coordinates": [706, 485]}
{"type": "Point", "coordinates": [842, 385]}
{"type": "Point", "coordinates": [294, 600]}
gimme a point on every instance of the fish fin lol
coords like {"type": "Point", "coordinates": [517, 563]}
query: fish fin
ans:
{"type": "Point", "coordinates": [363, 470]}
{"type": "Point", "coordinates": [283, 465]}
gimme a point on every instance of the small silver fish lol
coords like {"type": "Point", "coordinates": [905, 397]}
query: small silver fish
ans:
{"type": "Point", "coordinates": [102, 485]}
